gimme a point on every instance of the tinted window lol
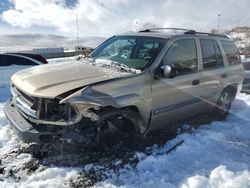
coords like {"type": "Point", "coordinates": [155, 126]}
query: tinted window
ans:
{"type": "Point", "coordinates": [182, 55]}
{"type": "Point", "coordinates": [211, 54]}
{"type": "Point", "coordinates": [33, 56]}
{"type": "Point", "coordinates": [14, 60]}
{"type": "Point", "coordinates": [219, 58]}
{"type": "Point", "coordinates": [232, 52]}
{"type": "Point", "coordinates": [8, 60]}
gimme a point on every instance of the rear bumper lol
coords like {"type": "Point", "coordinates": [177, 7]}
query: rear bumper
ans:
{"type": "Point", "coordinates": [23, 128]}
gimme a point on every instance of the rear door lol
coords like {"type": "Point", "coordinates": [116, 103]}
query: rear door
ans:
{"type": "Point", "coordinates": [178, 97]}
{"type": "Point", "coordinates": [214, 71]}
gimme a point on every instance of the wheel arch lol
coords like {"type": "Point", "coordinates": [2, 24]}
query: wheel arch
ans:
{"type": "Point", "coordinates": [232, 88]}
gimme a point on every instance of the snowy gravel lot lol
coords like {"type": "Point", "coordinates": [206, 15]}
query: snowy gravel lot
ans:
{"type": "Point", "coordinates": [215, 155]}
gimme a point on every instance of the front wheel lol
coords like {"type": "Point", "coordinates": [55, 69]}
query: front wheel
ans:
{"type": "Point", "coordinates": [117, 125]}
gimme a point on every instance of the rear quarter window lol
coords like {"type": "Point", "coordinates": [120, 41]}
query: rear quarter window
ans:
{"type": "Point", "coordinates": [232, 52]}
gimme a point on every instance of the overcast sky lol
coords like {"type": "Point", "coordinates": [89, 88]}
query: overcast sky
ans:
{"type": "Point", "coordinates": [108, 17]}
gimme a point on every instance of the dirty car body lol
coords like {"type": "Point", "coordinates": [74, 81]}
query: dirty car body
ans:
{"type": "Point", "coordinates": [127, 83]}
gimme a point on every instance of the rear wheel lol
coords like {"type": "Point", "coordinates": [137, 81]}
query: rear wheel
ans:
{"type": "Point", "coordinates": [224, 103]}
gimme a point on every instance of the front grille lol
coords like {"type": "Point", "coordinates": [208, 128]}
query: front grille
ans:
{"type": "Point", "coordinates": [27, 98]}
{"type": "Point", "coordinates": [24, 102]}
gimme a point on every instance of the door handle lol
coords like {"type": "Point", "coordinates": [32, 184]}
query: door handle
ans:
{"type": "Point", "coordinates": [223, 75]}
{"type": "Point", "coordinates": [195, 82]}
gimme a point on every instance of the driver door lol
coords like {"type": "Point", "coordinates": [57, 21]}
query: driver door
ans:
{"type": "Point", "coordinates": [177, 98]}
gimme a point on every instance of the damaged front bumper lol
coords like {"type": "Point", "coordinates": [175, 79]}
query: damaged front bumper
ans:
{"type": "Point", "coordinates": [23, 128]}
{"type": "Point", "coordinates": [30, 133]}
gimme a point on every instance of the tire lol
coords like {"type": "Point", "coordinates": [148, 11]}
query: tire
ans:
{"type": "Point", "coordinates": [117, 125]}
{"type": "Point", "coordinates": [224, 103]}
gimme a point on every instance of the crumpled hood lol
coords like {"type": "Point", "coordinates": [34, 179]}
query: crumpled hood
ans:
{"type": "Point", "coordinates": [51, 80]}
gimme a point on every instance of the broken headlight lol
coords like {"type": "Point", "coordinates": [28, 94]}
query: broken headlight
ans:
{"type": "Point", "coordinates": [51, 110]}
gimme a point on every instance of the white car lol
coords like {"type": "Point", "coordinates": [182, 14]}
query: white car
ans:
{"type": "Point", "coordinates": [10, 64]}
{"type": "Point", "coordinates": [246, 82]}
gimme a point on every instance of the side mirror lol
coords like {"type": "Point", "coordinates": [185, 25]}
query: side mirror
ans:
{"type": "Point", "coordinates": [168, 71]}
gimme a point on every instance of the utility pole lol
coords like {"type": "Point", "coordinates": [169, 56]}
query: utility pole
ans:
{"type": "Point", "coordinates": [77, 31]}
{"type": "Point", "coordinates": [136, 28]}
{"type": "Point", "coordinates": [218, 29]}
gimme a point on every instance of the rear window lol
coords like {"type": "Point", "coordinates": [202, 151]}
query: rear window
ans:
{"type": "Point", "coordinates": [232, 52]}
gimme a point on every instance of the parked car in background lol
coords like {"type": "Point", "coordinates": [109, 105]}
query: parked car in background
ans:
{"type": "Point", "coordinates": [37, 57]}
{"type": "Point", "coordinates": [11, 63]}
{"type": "Point", "coordinates": [246, 82]}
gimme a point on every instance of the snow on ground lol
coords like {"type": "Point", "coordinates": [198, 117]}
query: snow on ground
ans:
{"type": "Point", "coordinates": [49, 177]}
{"type": "Point", "coordinates": [215, 155]}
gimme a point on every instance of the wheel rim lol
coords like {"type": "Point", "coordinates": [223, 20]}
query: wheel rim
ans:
{"type": "Point", "coordinates": [225, 103]}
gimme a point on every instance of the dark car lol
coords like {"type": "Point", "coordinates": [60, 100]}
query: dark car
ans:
{"type": "Point", "coordinates": [11, 63]}
{"type": "Point", "coordinates": [33, 56]}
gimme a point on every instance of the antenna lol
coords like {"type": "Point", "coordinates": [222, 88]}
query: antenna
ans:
{"type": "Point", "coordinates": [77, 30]}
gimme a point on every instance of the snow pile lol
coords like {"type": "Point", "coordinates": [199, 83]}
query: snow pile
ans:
{"type": "Point", "coordinates": [215, 155]}
{"type": "Point", "coordinates": [13, 162]}
{"type": "Point", "coordinates": [241, 37]}
{"type": "Point", "coordinates": [111, 68]}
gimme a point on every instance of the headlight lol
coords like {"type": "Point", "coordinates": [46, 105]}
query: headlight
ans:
{"type": "Point", "coordinates": [54, 111]}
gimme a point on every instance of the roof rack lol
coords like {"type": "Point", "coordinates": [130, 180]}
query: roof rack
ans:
{"type": "Point", "coordinates": [162, 28]}
{"type": "Point", "coordinates": [193, 32]}
{"type": "Point", "coordinates": [187, 31]}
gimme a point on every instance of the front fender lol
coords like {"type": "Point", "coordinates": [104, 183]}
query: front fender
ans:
{"type": "Point", "coordinates": [90, 97]}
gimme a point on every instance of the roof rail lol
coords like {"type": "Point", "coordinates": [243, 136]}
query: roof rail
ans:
{"type": "Point", "coordinates": [162, 28]}
{"type": "Point", "coordinates": [187, 31]}
{"type": "Point", "coordinates": [192, 32]}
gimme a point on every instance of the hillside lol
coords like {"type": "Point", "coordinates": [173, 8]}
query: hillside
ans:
{"type": "Point", "coordinates": [241, 36]}
{"type": "Point", "coordinates": [29, 41]}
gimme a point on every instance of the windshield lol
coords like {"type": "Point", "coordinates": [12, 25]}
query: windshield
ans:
{"type": "Point", "coordinates": [132, 51]}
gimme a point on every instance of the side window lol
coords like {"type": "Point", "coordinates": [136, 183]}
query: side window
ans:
{"type": "Point", "coordinates": [232, 52]}
{"type": "Point", "coordinates": [208, 54]}
{"type": "Point", "coordinates": [23, 61]}
{"type": "Point", "coordinates": [219, 58]}
{"type": "Point", "coordinates": [211, 54]}
{"type": "Point", "coordinates": [182, 56]}
{"type": "Point", "coordinates": [8, 60]}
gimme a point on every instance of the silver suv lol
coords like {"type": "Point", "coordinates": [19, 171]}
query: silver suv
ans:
{"type": "Point", "coordinates": [133, 82]}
